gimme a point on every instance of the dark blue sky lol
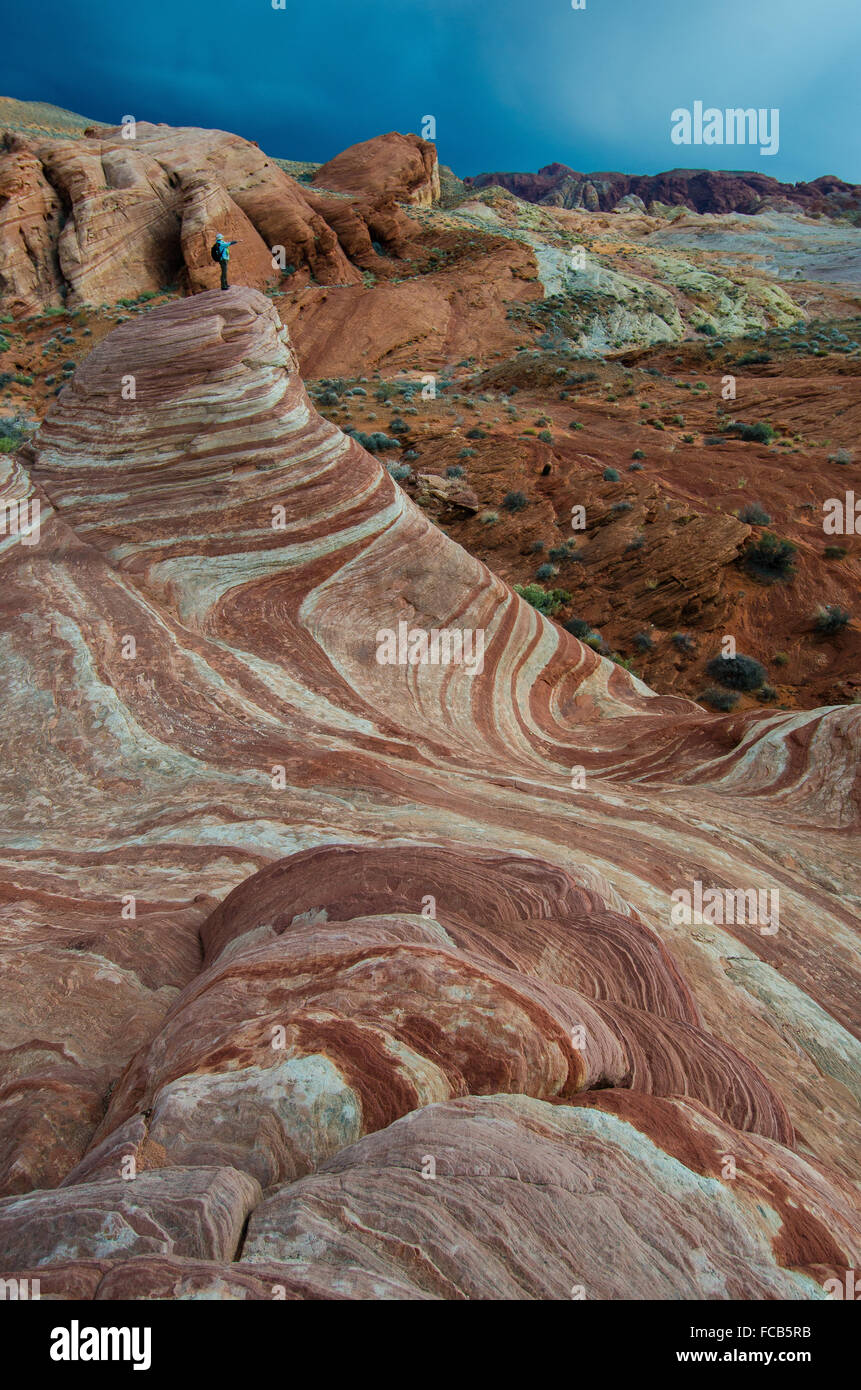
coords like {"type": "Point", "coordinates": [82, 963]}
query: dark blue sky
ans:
{"type": "Point", "coordinates": [513, 84]}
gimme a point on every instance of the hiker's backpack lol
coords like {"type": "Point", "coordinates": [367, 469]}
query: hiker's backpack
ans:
{"type": "Point", "coordinates": [215, 252]}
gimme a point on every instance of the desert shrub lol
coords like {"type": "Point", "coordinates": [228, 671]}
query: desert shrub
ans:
{"type": "Point", "coordinates": [760, 433]}
{"type": "Point", "coordinates": [560, 554]}
{"type": "Point", "coordinates": [489, 518]}
{"type": "Point", "coordinates": [638, 454]}
{"type": "Point", "coordinates": [466, 454]}
{"type": "Point", "coordinates": [375, 443]}
{"type": "Point", "coordinates": [753, 359]}
{"type": "Point", "coordinates": [610, 475]}
{"type": "Point", "coordinates": [545, 572]}
{"type": "Point", "coordinates": [622, 506]}
{"type": "Point", "coordinates": [15, 430]}
{"type": "Point", "coordinates": [578, 627]}
{"type": "Point", "coordinates": [770, 559]}
{"type": "Point", "coordinates": [831, 552]}
{"type": "Point", "coordinates": [575, 425]}
{"type": "Point", "coordinates": [683, 642]}
{"type": "Point", "coordinates": [547, 601]}
{"type": "Point", "coordinates": [635, 468]}
{"type": "Point", "coordinates": [722, 700]}
{"type": "Point", "coordinates": [766, 693]}
{"type": "Point", "coordinates": [754, 515]}
{"type": "Point", "coordinates": [400, 471]}
{"type": "Point", "coordinates": [546, 437]}
{"type": "Point", "coordinates": [515, 501]}
{"type": "Point", "coordinates": [843, 456]}
{"type": "Point", "coordinates": [454, 470]}
{"type": "Point", "coordinates": [736, 672]}
{"type": "Point", "coordinates": [830, 619]}
{"type": "Point", "coordinates": [536, 547]}
{"type": "Point", "coordinates": [476, 434]}
{"type": "Point", "coordinates": [643, 642]}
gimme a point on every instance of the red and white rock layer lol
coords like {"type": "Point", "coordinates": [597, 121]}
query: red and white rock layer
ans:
{"type": "Point", "coordinates": [390, 980]}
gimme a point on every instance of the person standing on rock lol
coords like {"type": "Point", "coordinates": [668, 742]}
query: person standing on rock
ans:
{"type": "Point", "coordinates": [220, 252]}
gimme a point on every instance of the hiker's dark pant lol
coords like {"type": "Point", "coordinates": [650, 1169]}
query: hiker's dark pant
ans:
{"type": "Point", "coordinates": [224, 284]}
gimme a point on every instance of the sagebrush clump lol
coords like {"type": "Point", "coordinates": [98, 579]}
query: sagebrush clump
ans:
{"type": "Point", "coordinates": [831, 618]}
{"type": "Point", "coordinates": [770, 559]}
{"type": "Point", "coordinates": [736, 672]}
{"type": "Point", "coordinates": [547, 601]}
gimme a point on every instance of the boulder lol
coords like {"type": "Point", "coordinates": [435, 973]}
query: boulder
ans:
{"type": "Point", "coordinates": [404, 166]}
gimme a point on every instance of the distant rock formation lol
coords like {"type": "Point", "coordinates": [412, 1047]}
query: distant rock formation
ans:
{"type": "Point", "coordinates": [286, 933]}
{"type": "Point", "coordinates": [702, 190]}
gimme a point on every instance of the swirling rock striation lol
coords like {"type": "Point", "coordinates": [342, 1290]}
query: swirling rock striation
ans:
{"type": "Point", "coordinates": [281, 923]}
